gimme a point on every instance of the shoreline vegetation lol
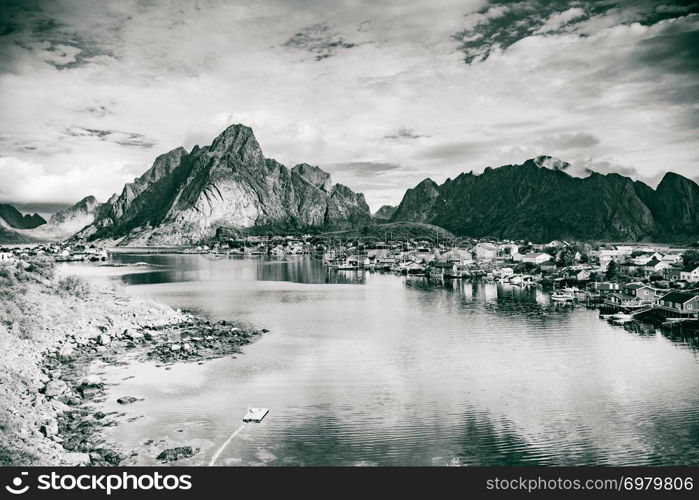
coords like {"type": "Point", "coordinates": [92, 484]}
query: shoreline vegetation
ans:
{"type": "Point", "coordinates": [52, 330]}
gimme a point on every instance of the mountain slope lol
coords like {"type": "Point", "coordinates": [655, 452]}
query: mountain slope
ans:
{"type": "Point", "coordinates": [15, 219]}
{"type": "Point", "coordinates": [384, 213]}
{"type": "Point", "coordinates": [533, 201]}
{"type": "Point", "coordinates": [185, 197]}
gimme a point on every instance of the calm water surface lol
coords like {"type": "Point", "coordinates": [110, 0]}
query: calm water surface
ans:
{"type": "Point", "coordinates": [370, 369]}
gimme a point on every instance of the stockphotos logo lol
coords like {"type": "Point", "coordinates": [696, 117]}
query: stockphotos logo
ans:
{"type": "Point", "coordinates": [16, 488]}
{"type": "Point", "coordinates": [105, 483]}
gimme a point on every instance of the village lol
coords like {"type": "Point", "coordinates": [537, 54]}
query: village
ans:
{"type": "Point", "coordinates": [649, 282]}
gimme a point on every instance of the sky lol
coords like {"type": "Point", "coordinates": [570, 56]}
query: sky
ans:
{"type": "Point", "coordinates": [381, 94]}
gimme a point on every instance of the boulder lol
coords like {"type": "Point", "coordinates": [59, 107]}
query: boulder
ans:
{"type": "Point", "coordinates": [50, 428]}
{"type": "Point", "coordinates": [67, 352]}
{"type": "Point", "coordinates": [91, 381]}
{"type": "Point", "coordinates": [172, 454]}
{"type": "Point", "coordinates": [76, 459]}
{"type": "Point", "coordinates": [127, 400]}
{"type": "Point", "coordinates": [55, 388]}
{"type": "Point", "coordinates": [104, 339]}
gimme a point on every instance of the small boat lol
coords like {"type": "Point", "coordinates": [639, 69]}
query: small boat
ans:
{"type": "Point", "coordinates": [346, 267]}
{"type": "Point", "coordinates": [255, 414]}
{"type": "Point", "coordinates": [621, 318]}
{"type": "Point", "coordinates": [562, 296]}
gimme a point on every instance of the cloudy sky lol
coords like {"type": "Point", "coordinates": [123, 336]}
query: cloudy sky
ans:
{"type": "Point", "coordinates": [380, 93]}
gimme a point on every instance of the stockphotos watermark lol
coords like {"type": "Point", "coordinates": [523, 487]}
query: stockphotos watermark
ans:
{"type": "Point", "coordinates": [103, 483]}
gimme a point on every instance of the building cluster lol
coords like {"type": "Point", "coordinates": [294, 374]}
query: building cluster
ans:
{"type": "Point", "coordinates": [60, 252]}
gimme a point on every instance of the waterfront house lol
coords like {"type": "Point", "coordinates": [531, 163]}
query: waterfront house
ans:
{"type": "Point", "coordinates": [486, 251]}
{"type": "Point", "coordinates": [457, 256]}
{"type": "Point", "coordinates": [516, 257]}
{"type": "Point", "coordinates": [536, 258]}
{"type": "Point", "coordinates": [690, 274]}
{"type": "Point", "coordinates": [678, 304]}
{"type": "Point", "coordinates": [605, 287]}
{"type": "Point", "coordinates": [617, 299]}
{"type": "Point", "coordinates": [646, 293]}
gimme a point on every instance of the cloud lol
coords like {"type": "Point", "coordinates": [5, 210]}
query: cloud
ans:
{"type": "Point", "coordinates": [564, 142]}
{"type": "Point", "coordinates": [403, 133]}
{"type": "Point", "coordinates": [117, 137]}
{"type": "Point", "coordinates": [319, 40]}
{"type": "Point", "coordinates": [91, 92]}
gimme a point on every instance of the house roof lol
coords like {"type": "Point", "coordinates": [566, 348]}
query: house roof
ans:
{"type": "Point", "coordinates": [681, 297]}
{"type": "Point", "coordinates": [689, 269]}
{"type": "Point", "coordinates": [623, 296]}
{"type": "Point", "coordinates": [653, 262]}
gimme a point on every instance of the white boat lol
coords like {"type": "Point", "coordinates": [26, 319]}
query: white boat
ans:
{"type": "Point", "coordinates": [621, 318]}
{"type": "Point", "coordinates": [346, 267]}
{"type": "Point", "coordinates": [562, 296]}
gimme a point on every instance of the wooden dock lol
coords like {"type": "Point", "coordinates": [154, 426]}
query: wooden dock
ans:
{"type": "Point", "coordinates": [255, 414]}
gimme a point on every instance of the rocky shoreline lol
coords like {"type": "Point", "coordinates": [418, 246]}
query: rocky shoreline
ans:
{"type": "Point", "coordinates": [50, 397]}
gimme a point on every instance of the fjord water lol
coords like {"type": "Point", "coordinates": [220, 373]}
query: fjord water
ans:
{"type": "Point", "coordinates": [371, 369]}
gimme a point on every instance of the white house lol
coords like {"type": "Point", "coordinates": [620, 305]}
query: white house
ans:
{"type": "Point", "coordinates": [690, 274]}
{"type": "Point", "coordinates": [486, 251]}
{"type": "Point", "coordinates": [457, 256]}
{"type": "Point", "coordinates": [536, 258]}
{"type": "Point", "coordinates": [672, 258]}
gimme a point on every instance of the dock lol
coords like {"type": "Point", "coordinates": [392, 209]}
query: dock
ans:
{"type": "Point", "coordinates": [255, 414]}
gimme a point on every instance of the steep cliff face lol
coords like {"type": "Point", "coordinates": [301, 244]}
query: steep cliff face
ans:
{"type": "Point", "coordinates": [539, 202]}
{"type": "Point", "coordinates": [418, 203]}
{"type": "Point", "coordinates": [14, 218]}
{"type": "Point", "coordinates": [185, 197]}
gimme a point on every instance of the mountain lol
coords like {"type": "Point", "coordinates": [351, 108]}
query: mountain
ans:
{"type": "Point", "coordinates": [538, 202]}
{"type": "Point", "coordinates": [10, 235]}
{"type": "Point", "coordinates": [16, 220]}
{"type": "Point", "coordinates": [384, 213]}
{"type": "Point", "coordinates": [74, 218]}
{"type": "Point", "coordinates": [186, 197]}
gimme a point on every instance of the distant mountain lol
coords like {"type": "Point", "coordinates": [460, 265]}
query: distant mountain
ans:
{"type": "Point", "coordinates": [15, 219]}
{"type": "Point", "coordinates": [185, 197]}
{"type": "Point", "coordinates": [536, 202]}
{"type": "Point", "coordinates": [384, 213]}
{"type": "Point", "coordinates": [10, 235]}
{"type": "Point", "coordinates": [78, 216]}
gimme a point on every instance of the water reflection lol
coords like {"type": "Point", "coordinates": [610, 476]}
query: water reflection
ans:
{"type": "Point", "coordinates": [389, 370]}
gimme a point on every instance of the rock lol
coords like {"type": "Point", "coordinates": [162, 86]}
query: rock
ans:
{"type": "Point", "coordinates": [76, 459]}
{"type": "Point", "coordinates": [175, 347]}
{"type": "Point", "coordinates": [187, 347]}
{"type": "Point", "coordinates": [101, 348]}
{"type": "Point", "coordinates": [60, 407]}
{"type": "Point", "coordinates": [104, 339]}
{"type": "Point", "coordinates": [91, 381]}
{"type": "Point", "coordinates": [55, 388]}
{"type": "Point", "coordinates": [264, 330]}
{"type": "Point", "coordinates": [172, 454]}
{"type": "Point", "coordinates": [67, 352]}
{"type": "Point", "coordinates": [133, 335]}
{"type": "Point", "coordinates": [127, 400]}
{"type": "Point", "coordinates": [49, 429]}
